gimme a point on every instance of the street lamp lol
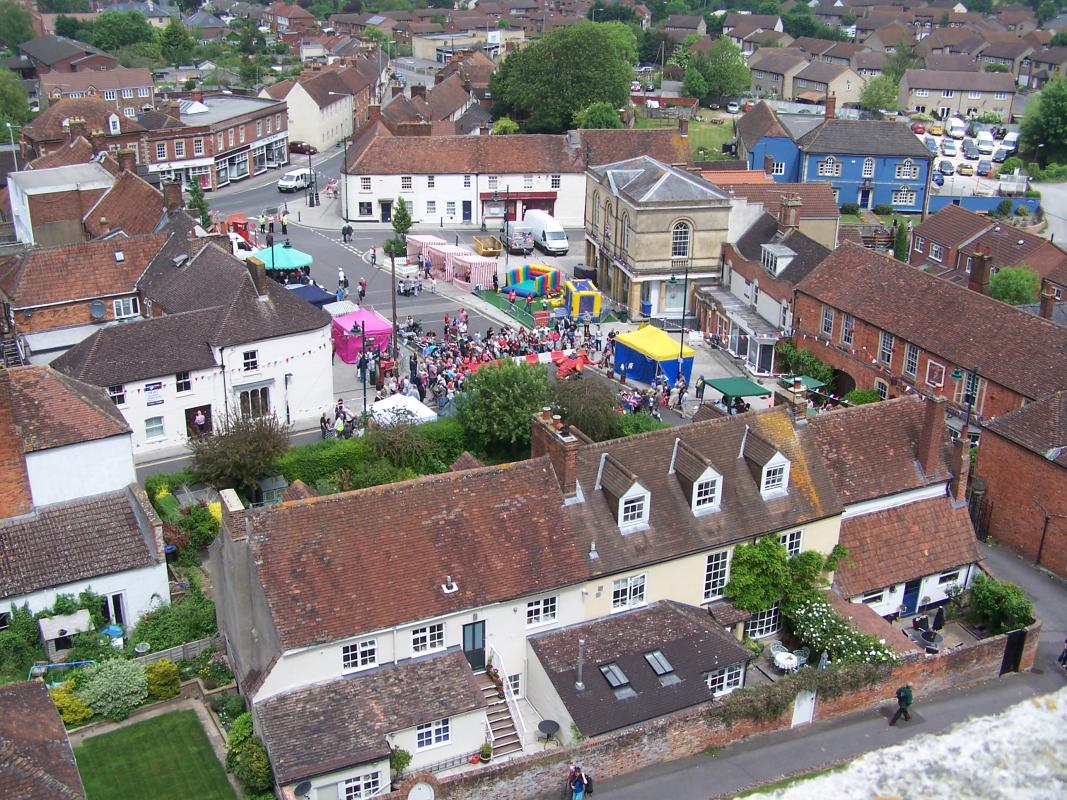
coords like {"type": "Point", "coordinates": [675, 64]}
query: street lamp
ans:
{"type": "Point", "coordinates": [685, 298]}
{"type": "Point", "coordinates": [14, 152]}
{"type": "Point", "coordinates": [968, 396]}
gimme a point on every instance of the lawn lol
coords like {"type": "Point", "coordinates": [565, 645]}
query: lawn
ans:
{"type": "Point", "coordinates": [164, 758]}
{"type": "Point", "coordinates": [851, 219]}
{"type": "Point", "coordinates": [701, 134]}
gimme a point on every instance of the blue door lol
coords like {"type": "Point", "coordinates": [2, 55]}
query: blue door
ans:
{"type": "Point", "coordinates": [911, 596]}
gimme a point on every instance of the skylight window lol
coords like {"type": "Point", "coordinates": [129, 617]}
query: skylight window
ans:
{"type": "Point", "coordinates": [659, 663]}
{"type": "Point", "coordinates": [617, 680]}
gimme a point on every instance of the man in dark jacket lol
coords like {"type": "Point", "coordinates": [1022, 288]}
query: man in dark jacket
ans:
{"type": "Point", "coordinates": [904, 699]}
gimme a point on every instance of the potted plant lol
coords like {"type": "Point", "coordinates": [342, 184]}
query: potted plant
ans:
{"type": "Point", "coordinates": [486, 753]}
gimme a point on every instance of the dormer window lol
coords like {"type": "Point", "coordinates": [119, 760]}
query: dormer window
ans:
{"type": "Point", "coordinates": [113, 124]}
{"type": "Point", "coordinates": [625, 495]}
{"type": "Point", "coordinates": [774, 479]}
{"type": "Point", "coordinates": [706, 494]}
{"type": "Point", "coordinates": [767, 465]}
{"type": "Point", "coordinates": [699, 480]}
{"type": "Point", "coordinates": [633, 510]}
{"type": "Point", "coordinates": [776, 257]}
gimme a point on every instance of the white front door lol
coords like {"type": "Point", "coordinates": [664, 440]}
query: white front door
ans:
{"type": "Point", "coordinates": [803, 708]}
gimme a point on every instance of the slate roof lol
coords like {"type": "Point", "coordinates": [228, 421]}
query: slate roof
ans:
{"type": "Point", "coordinates": [892, 546]}
{"type": "Point", "coordinates": [131, 204]}
{"type": "Point", "coordinates": [36, 759]}
{"type": "Point", "coordinates": [117, 78]}
{"type": "Point", "coordinates": [817, 199]}
{"type": "Point", "coordinates": [960, 81]}
{"type": "Point", "coordinates": [765, 231]}
{"type": "Point", "coordinates": [759, 122]}
{"type": "Point", "coordinates": [780, 60]}
{"type": "Point", "coordinates": [645, 180]}
{"type": "Point", "coordinates": [51, 49]}
{"type": "Point", "coordinates": [868, 59]}
{"type": "Point", "coordinates": [1024, 353]}
{"type": "Point", "coordinates": [822, 71]}
{"type": "Point", "coordinates": [49, 124]}
{"type": "Point", "coordinates": [343, 723]}
{"type": "Point", "coordinates": [688, 637]}
{"type": "Point", "coordinates": [1040, 427]}
{"type": "Point", "coordinates": [78, 540]}
{"type": "Point", "coordinates": [847, 437]}
{"type": "Point", "coordinates": [864, 137]}
{"type": "Point", "coordinates": [1011, 48]}
{"type": "Point", "coordinates": [348, 563]}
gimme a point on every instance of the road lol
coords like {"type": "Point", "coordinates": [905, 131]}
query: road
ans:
{"type": "Point", "coordinates": [1054, 204]}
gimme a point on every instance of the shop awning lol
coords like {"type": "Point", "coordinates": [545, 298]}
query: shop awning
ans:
{"type": "Point", "coordinates": [738, 387]}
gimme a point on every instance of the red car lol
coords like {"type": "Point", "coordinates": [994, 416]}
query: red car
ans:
{"type": "Point", "coordinates": [918, 127]}
{"type": "Point", "coordinates": [303, 148]}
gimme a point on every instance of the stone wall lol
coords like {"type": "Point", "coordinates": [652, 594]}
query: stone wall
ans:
{"type": "Point", "coordinates": [691, 731]}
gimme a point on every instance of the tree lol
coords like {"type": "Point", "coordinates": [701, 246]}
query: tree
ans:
{"type": "Point", "coordinates": [1001, 605]}
{"type": "Point", "coordinates": [694, 84]}
{"type": "Point", "coordinates": [1045, 124]}
{"type": "Point", "coordinates": [655, 45]}
{"type": "Point", "coordinates": [72, 28]}
{"type": "Point", "coordinates": [505, 126]}
{"type": "Point", "coordinates": [401, 220]}
{"type": "Point", "coordinates": [13, 105]}
{"type": "Point", "coordinates": [565, 71]}
{"type": "Point", "coordinates": [115, 29]}
{"type": "Point", "coordinates": [759, 575]}
{"type": "Point", "coordinates": [799, 21]}
{"type": "Point", "coordinates": [723, 67]}
{"type": "Point", "coordinates": [244, 450]}
{"type": "Point", "coordinates": [63, 7]}
{"type": "Point", "coordinates": [597, 115]}
{"type": "Point", "coordinates": [394, 248]}
{"type": "Point", "coordinates": [589, 406]}
{"type": "Point", "coordinates": [139, 55]}
{"type": "Point", "coordinates": [175, 44]}
{"type": "Point", "coordinates": [996, 68]}
{"type": "Point", "coordinates": [198, 203]}
{"type": "Point", "coordinates": [1015, 285]}
{"type": "Point", "coordinates": [15, 27]}
{"type": "Point", "coordinates": [900, 245]}
{"type": "Point", "coordinates": [880, 93]}
{"type": "Point", "coordinates": [615, 12]}
{"type": "Point", "coordinates": [1059, 39]}
{"type": "Point", "coordinates": [496, 405]}
{"type": "Point", "coordinates": [900, 60]}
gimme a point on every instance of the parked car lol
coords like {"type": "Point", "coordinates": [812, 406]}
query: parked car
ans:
{"type": "Point", "coordinates": [733, 106]}
{"type": "Point", "coordinates": [949, 147]}
{"type": "Point", "coordinates": [1001, 155]}
{"type": "Point", "coordinates": [650, 87]}
{"type": "Point", "coordinates": [295, 180]}
{"type": "Point", "coordinates": [918, 128]}
{"type": "Point", "coordinates": [999, 131]}
{"type": "Point", "coordinates": [938, 179]}
{"type": "Point", "coordinates": [635, 86]}
{"type": "Point", "coordinates": [956, 128]}
{"type": "Point", "coordinates": [965, 169]}
{"type": "Point", "coordinates": [303, 148]}
{"type": "Point", "coordinates": [970, 150]}
{"type": "Point", "coordinates": [946, 167]}
{"type": "Point", "coordinates": [1011, 142]}
{"type": "Point", "coordinates": [985, 168]}
{"type": "Point", "coordinates": [931, 144]}
{"type": "Point", "coordinates": [936, 130]}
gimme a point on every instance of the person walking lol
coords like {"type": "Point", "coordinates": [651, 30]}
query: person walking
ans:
{"type": "Point", "coordinates": [1062, 660]}
{"type": "Point", "coordinates": [285, 224]}
{"type": "Point", "coordinates": [324, 426]}
{"type": "Point", "coordinates": [262, 223]}
{"type": "Point", "coordinates": [904, 700]}
{"type": "Point", "coordinates": [577, 783]}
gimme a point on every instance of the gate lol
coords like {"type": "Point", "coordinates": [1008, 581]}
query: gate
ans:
{"type": "Point", "coordinates": [1013, 651]}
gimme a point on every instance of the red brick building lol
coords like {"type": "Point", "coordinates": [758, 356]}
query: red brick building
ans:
{"type": "Point", "coordinates": [94, 118]}
{"type": "Point", "coordinates": [1023, 465]}
{"type": "Point", "coordinates": [884, 325]}
{"type": "Point", "coordinates": [283, 18]}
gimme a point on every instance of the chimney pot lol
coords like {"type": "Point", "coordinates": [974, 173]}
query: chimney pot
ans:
{"type": "Point", "coordinates": [979, 278]}
{"type": "Point", "coordinates": [127, 161]}
{"type": "Point", "coordinates": [1048, 303]}
{"type": "Point", "coordinates": [172, 196]}
{"type": "Point", "coordinates": [932, 435]}
{"type": "Point", "coordinates": [961, 467]}
{"type": "Point", "coordinates": [831, 106]}
{"type": "Point", "coordinates": [579, 685]}
{"type": "Point", "coordinates": [683, 127]}
{"type": "Point", "coordinates": [258, 270]}
{"type": "Point", "coordinates": [547, 439]}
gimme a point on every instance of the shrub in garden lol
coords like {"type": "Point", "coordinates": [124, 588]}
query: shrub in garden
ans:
{"type": "Point", "coordinates": [251, 766]}
{"type": "Point", "coordinates": [20, 645]}
{"type": "Point", "coordinates": [859, 397]}
{"type": "Point", "coordinates": [114, 688]}
{"type": "Point", "coordinates": [72, 709]}
{"type": "Point", "coordinates": [200, 524]}
{"type": "Point", "coordinates": [817, 625]}
{"type": "Point", "coordinates": [189, 619]}
{"type": "Point", "coordinates": [240, 732]}
{"type": "Point", "coordinates": [883, 210]}
{"type": "Point", "coordinates": [1000, 605]}
{"type": "Point", "coordinates": [163, 682]}
{"type": "Point", "coordinates": [229, 706]}
{"type": "Point", "coordinates": [850, 208]}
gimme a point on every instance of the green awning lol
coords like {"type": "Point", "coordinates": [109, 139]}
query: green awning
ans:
{"type": "Point", "coordinates": [806, 381]}
{"type": "Point", "coordinates": [283, 256]}
{"type": "Point", "coordinates": [738, 387]}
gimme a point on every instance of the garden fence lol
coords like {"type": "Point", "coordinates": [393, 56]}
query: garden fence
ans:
{"type": "Point", "coordinates": [183, 652]}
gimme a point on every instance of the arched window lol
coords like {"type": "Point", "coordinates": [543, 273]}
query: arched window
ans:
{"type": "Point", "coordinates": [680, 240]}
{"type": "Point", "coordinates": [907, 170]}
{"type": "Point", "coordinates": [868, 168]}
{"type": "Point", "coordinates": [596, 211]}
{"type": "Point", "coordinates": [625, 232]}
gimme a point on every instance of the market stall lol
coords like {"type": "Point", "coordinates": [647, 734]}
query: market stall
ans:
{"type": "Point", "coordinates": [442, 258]}
{"type": "Point", "coordinates": [313, 294]}
{"type": "Point", "coordinates": [737, 392]}
{"type": "Point", "coordinates": [283, 257]}
{"type": "Point", "coordinates": [349, 333]}
{"type": "Point", "coordinates": [475, 270]}
{"type": "Point", "coordinates": [399, 408]}
{"type": "Point", "coordinates": [419, 243]}
{"type": "Point", "coordinates": [648, 351]}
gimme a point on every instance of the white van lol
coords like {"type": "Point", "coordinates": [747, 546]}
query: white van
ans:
{"type": "Point", "coordinates": [956, 128]}
{"type": "Point", "coordinates": [295, 180]}
{"type": "Point", "coordinates": [518, 237]}
{"type": "Point", "coordinates": [1011, 141]}
{"type": "Point", "coordinates": [985, 143]}
{"type": "Point", "coordinates": [548, 234]}
{"type": "Point", "coordinates": [240, 247]}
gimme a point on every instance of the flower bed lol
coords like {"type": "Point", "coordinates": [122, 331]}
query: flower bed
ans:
{"type": "Point", "coordinates": [820, 627]}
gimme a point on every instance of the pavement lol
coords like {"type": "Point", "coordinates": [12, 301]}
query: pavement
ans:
{"type": "Point", "coordinates": [764, 759]}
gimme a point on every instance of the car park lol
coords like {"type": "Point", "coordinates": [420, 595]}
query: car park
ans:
{"type": "Point", "coordinates": [938, 179]}
{"type": "Point", "coordinates": [918, 128]}
{"type": "Point", "coordinates": [733, 107]}
{"type": "Point", "coordinates": [931, 144]}
{"type": "Point", "coordinates": [936, 130]}
{"type": "Point", "coordinates": [985, 168]}
{"type": "Point", "coordinates": [303, 148]}
{"type": "Point", "coordinates": [970, 150]}
{"type": "Point", "coordinates": [1001, 155]}
{"type": "Point", "coordinates": [946, 167]}
{"type": "Point", "coordinates": [949, 147]}
{"type": "Point", "coordinates": [965, 169]}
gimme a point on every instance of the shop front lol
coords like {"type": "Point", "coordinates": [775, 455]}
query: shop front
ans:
{"type": "Point", "coordinates": [498, 206]}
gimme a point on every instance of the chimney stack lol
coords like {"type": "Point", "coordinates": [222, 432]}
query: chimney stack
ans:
{"type": "Point", "coordinates": [979, 279]}
{"type": "Point", "coordinates": [194, 244]}
{"type": "Point", "coordinates": [258, 270]}
{"type": "Point", "coordinates": [374, 113]}
{"type": "Point", "coordinates": [683, 127]}
{"type": "Point", "coordinates": [932, 435]}
{"type": "Point", "coordinates": [127, 161]}
{"type": "Point", "coordinates": [78, 127]}
{"type": "Point", "coordinates": [800, 401]}
{"type": "Point", "coordinates": [549, 436]}
{"type": "Point", "coordinates": [1048, 302]}
{"type": "Point", "coordinates": [831, 106]}
{"type": "Point", "coordinates": [172, 196]}
{"type": "Point", "coordinates": [172, 110]}
{"type": "Point", "coordinates": [418, 90]}
{"type": "Point", "coordinates": [961, 467]}
{"type": "Point", "coordinates": [196, 96]}
{"type": "Point", "coordinates": [789, 212]}
{"type": "Point", "coordinates": [768, 165]}
{"type": "Point", "coordinates": [579, 685]}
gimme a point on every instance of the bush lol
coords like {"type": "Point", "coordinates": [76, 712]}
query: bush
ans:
{"type": "Point", "coordinates": [1003, 208]}
{"type": "Point", "coordinates": [16, 656]}
{"type": "Point", "coordinates": [1010, 165]}
{"type": "Point", "coordinates": [229, 706]}
{"type": "Point", "coordinates": [92, 646]}
{"type": "Point", "coordinates": [1000, 605]}
{"type": "Point", "coordinates": [72, 709]}
{"type": "Point", "coordinates": [883, 210]}
{"type": "Point", "coordinates": [162, 483]}
{"type": "Point", "coordinates": [850, 208]}
{"type": "Point", "coordinates": [168, 507]}
{"type": "Point", "coordinates": [251, 766]}
{"type": "Point", "coordinates": [859, 397]}
{"type": "Point", "coordinates": [801, 362]}
{"type": "Point", "coordinates": [163, 682]}
{"type": "Point", "coordinates": [630, 424]}
{"type": "Point", "coordinates": [240, 732]}
{"type": "Point", "coordinates": [114, 688]}
{"type": "Point", "coordinates": [189, 619]}
{"type": "Point", "coordinates": [200, 524]}
{"type": "Point", "coordinates": [817, 625]}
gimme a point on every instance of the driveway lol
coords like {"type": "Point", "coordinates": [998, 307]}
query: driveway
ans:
{"type": "Point", "coordinates": [1054, 203]}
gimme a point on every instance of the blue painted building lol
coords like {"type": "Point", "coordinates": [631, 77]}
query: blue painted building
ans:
{"type": "Point", "coordinates": [868, 162]}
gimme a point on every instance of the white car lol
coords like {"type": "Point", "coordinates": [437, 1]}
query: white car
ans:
{"type": "Point", "coordinates": [733, 106]}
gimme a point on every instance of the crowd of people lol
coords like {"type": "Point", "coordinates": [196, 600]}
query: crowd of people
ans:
{"type": "Point", "coordinates": [660, 395]}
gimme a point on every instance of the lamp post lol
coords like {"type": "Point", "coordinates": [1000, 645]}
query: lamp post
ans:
{"type": "Point", "coordinates": [312, 195]}
{"type": "Point", "coordinates": [14, 152]}
{"type": "Point", "coordinates": [685, 298]}
{"type": "Point", "coordinates": [968, 396]}
{"type": "Point", "coordinates": [363, 372]}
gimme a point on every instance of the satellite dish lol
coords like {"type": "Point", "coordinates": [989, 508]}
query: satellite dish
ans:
{"type": "Point", "coordinates": [97, 309]}
{"type": "Point", "coordinates": [302, 788]}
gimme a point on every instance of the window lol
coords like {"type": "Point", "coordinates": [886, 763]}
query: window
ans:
{"type": "Point", "coordinates": [450, 208]}
{"type": "Point", "coordinates": [633, 510]}
{"type": "Point", "coordinates": [922, 92]}
{"type": "Point", "coordinates": [183, 382]}
{"type": "Point", "coordinates": [515, 681]}
{"type": "Point", "coordinates": [848, 325]}
{"type": "Point", "coordinates": [250, 360]}
{"type": "Point", "coordinates": [198, 147]}
{"type": "Point", "coordinates": [778, 168]}
{"type": "Point", "coordinates": [431, 206]}
{"type": "Point", "coordinates": [431, 637]}
{"type": "Point", "coordinates": [126, 307]}
{"type": "Point", "coordinates": [259, 128]}
{"type": "Point", "coordinates": [764, 623]}
{"type": "Point", "coordinates": [117, 393]}
{"type": "Point", "coordinates": [625, 232]}
{"type": "Point", "coordinates": [218, 140]}
{"type": "Point", "coordinates": [466, 181]}
{"type": "Point", "coordinates": [920, 243]}
{"type": "Point", "coordinates": [773, 479]}
{"type": "Point", "coordinates": [628, 592]}
{"type": "Point", "coordinates": [127, 93]}
{"type": "Point", "coordinates": [680, 240]}
{"type": "Point", "coordinates": [903, 197]}
{"type": "Point", "coordinates": [366, 209]}
{"type": "Point", "coordinates": [161, 151]}
{"type": "Point", "coordinates": [179, 149]}
{"type": "Point", "coordinates": [277, 122]}
{"type": "Point", "coordinates": [937, 252]}
{"type": "Point", "coordinates": [907, 170]}
{"type": "Point", "coordinates": [109, 94]}
{"type": "Point", "coordinates": [831, 167]}
{"type": "Point", "coordinates": [952, 576]}
{"type": "Point", "coordinates": [493, 179]}
{"type": "Point", "coordinates": [430, 181]}
{"type": "Point", "coordinates": [360, 787]}
{"type": "Point", "coordinates": [5, 619]}
{"type": "Point", "coordinates": [791, 542]}
{"type": "Point", "coordinates": [706, 494]}
{"type": "Point", "coordinates": [662, 667]}
{"type": "Point", "coordinates": [882, 388]}
{"type": "Point", "coordinates": [948, 92]}
{"type": "Point", "coordinates": [527, 181]}
{"type": "Point", "coordinates": [873, 598]}
{"type": "Point", "coordinates": [268, 125]}
{"type": "Point", "coordinates": [885, 347]}
{"type": "Point", "coordinates": [229, 136]}
{"type": "Point", "coordinates": [1000, 95]}
{"type": "Point", "coordinates": [360, 655]}
{"type": "Point", "coordinates": [724, 681]}
{"type": "Point", "coordinates": [255, 402]}
{"type": "Point", "coordinates": [128, 112]}
{"type": "Point", "coordinates": [935, 374]}
{"type": "Point", "coordinates": [974, 94]}
{"type": "Point", "coordinates": [144, 91]}
{"type": "Point", "coordinates": [541, 611]}
{"type": "Point", "coordinates": [364, 184]}
{"type": "Point", "coordinates": [617, 680]}
{"type": "Point", "coordinates": [405, 183]}
{"type": "Point", "coordinates": [911, 359]}
{"type": "Point", "coordinates": [432, 734]}
{"type": "Point", "coordinates": [716, 573]}
{"type": "Point", "coordinates": [153, 428]}
{"type": "Point", "coordinates": [827, 321]}
{"type": "Point", "coordinates": [868, 168]}
{"type": "Point", "coordinates": [113, 125]}
{"type": "Point", "coordinates": [555, 182]}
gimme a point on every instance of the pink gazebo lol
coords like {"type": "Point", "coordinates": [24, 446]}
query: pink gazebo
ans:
{"type": "Point", "coordinates": [348, 344]}
{"type": "Point", "coordinates": [443, 257]}
{"type": "Point", "coordinates": [472, 269]}
{"type": "Point", "coordinates": [418, 243]}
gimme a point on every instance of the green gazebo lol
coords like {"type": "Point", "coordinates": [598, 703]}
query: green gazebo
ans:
{"type": "Point", "coordinates": [283, 257]}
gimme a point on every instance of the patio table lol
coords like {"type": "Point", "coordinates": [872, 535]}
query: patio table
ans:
{"type": "Point", "coordinates": [787, 662]}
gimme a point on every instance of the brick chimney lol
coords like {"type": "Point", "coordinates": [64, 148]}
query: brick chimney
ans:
{"type": "Point", "coordinates": [1048, 302]}
{"type": "Point", "coordinates": [374, 113]}
{"type": "Point", "coordinates": [561, 446]}
{"type": "Point", "coordinates": [418, 90]}
{"type": "Point", "coordinates": [258, 270]}
{"type": "Point", "coordinates": [421, 128]}
{"type": "Point", "coordinates": [195, 243]}
{"type": "Point", "coordinates": [172, 109]}
{"type": "Point", "coordinates": [768, 165]}
{"type": "Point", "coordinates": [78, 127]}
{"type": "Point", "coordinates": [683, 127]}
{"type": "Point", "coordinates": [961, 467]}
{"type": "Point", "coordinates": [932, 435]}
{"type": "Point", "coordinates": [831, 106]}
{"type": "Point", "coordinates": [127, 161]}
{"type": "Point", "coordinates": [789, 212]}
{"type": "Point", "coordinates": [979, 279]}
{"type": "Point", "coordinates": [800, 401]}
{"type": "Point", "coordinates": [196, 96]}
{"type": "Point", "coordinates": [172, 195]}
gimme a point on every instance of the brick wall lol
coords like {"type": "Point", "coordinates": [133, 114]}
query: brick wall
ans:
{"type": "Point", "coordinates": [1014, 478]}
{"type": "Point", "coordinates": [62, 316]}
{"type": "Point", "coordinates": [691, 731]}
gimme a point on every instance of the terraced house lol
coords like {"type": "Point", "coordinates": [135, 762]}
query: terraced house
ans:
{"type": "Point", "coordinates": [962, 94]}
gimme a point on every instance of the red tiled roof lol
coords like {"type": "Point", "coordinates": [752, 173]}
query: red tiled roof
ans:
{"type": "Point", "coordinates": [738, 177]}
{"type": "Point", "coordinates": [951, 226]}
{"type": "Point", "coordinates": [901, 543]}
{"type": "Point", "coordinates": [817, 199]}
{"type": "Point", "coordinates": [16, 498]}
{"type": "Point", "coordinates": [1040, 427]}
{"type": "Point", "coordinates": [534, 153]}
{"type": "Point", "coordinates": [49, 125]}
{"type": "Point", "coordinates": [131, 204]}
{"type": "Point", "coordinates": [37, 762]}
{"type": "Point", "coordinates": [447, 97]}
{"type": "Point", "coordinates": [1020, 351]}
{"type": "Point", "coordinates": [866, 620]}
